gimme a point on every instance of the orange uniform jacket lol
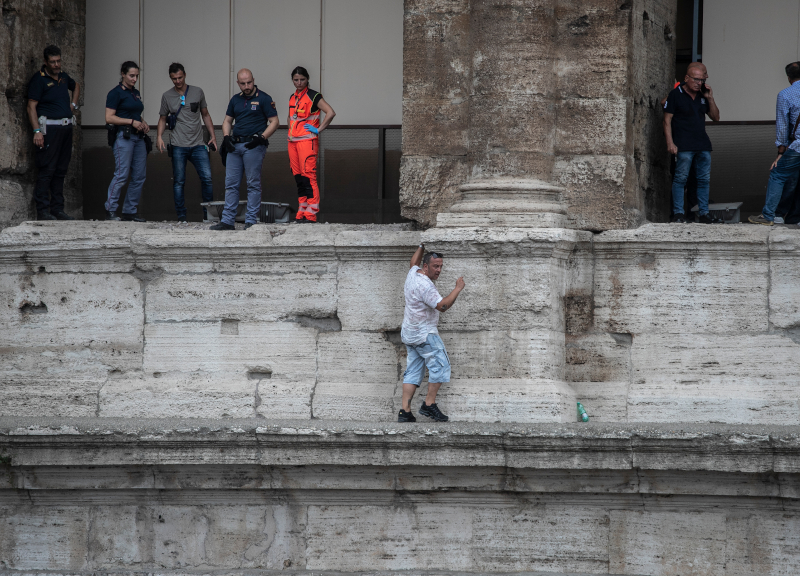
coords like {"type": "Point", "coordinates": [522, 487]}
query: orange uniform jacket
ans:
{"type": "Point", "coordinates": [303, 109]}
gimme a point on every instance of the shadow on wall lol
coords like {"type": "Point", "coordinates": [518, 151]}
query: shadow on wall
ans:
{"type": "Point", "coordinates": [349, 193]}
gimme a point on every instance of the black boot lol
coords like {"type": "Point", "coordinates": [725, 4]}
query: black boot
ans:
{"type": "Point", "coordinates": [45, 216]}
{"type": "Point", "coordinates": [61, 215]}
{"type": "Point", "coordinates": [112, 216]}
{"type": "Point", "coordinates": [132, 218]}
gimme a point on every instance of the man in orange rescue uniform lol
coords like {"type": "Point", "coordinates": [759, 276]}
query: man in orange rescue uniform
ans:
{"type": "Point", "coordinates": [304, 128]}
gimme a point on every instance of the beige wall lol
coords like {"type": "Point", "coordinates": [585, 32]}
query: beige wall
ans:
{"type": "Point", "coordinates": [353, 50]}
{"type": "Point", "coordinates": [746, 45]}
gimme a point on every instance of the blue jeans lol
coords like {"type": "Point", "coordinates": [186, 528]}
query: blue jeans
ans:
{"type": "Point", "coordinates": [785, 172]}
{"type": "Point", "coordinates": [198, 156]}
{"type": "Point", "coordinates": [432, 354]}
{"type": "Point", "coordinates": [130, 158]}
{"type": "Point", "coordinates": [248, 162]}
{"type": "Point", "coordinates": [683, 163]}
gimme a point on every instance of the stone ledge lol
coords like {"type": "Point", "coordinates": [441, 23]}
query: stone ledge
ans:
{"type": "Point", "coordinates": [111, 441]}
{"type": "Point", "coordinates": [283, 573]}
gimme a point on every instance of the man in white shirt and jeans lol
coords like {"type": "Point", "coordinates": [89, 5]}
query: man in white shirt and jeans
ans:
{"type": "Point", "coordinates": [421, 335]}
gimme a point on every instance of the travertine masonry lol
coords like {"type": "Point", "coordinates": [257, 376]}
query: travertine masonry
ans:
{"type": "Point", "coordinates": [262, 496]}
{"type": "Point", "coordinates": [564, 92]}
{"type": "Point", "coordinates": [659, 324]}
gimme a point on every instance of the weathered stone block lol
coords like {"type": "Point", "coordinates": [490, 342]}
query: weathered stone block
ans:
{"type": "Point", "coordinates": [183, 396]}
{"type": "Point", "coordinates": [749, 552]}
{"type": "Point", "coordinates": [89, 324]}
{"type": "Point", "coordinates": [595, 191]}
{"type": "Point", "coordinates": [120, 537]}
{"type": "Point", "coordinates": [683, 280]}
{"type": "Point", "coordinates": [708, 379]}
{"type": "Point", "coordinates": [51, 538]}
{"type": "Point", "coordinates": [535, 353]}
{"type": "Point", "coordinates": [501, 400]}
{"type": "Point", "coordinates": [784, 297]}
{"type": "Point", "coordinates": [666, 543]}
{"type": "Point", "coordinates": [68, 398]}
{"type": "Point", "coordinates": [405, 538]}
{"type": "Point", "coordinates": [441, 126]}
{"type": "Point", "coordinates": [604, 401]}
{"type": "Point", "coordinates": [282, 291]}
{"type": "Point", "coordinates": [436, 56]}
{"type": "Point", "coordinates": [592, 126]}
{"type": "Point", "coordinates": [282, 349]}
{"type": "Point", "coordinates": [495, 123]}
{"type": "Point", "coordinates": [429, 185]}
{"type": "Point", "coordinates": [357, 374]}
{"type": "Point", "coordinates": [371, 294]}
{"type": "Point", "coordinates": [598, 357]}
{"type": "Point", "coordinates": [549, 538]}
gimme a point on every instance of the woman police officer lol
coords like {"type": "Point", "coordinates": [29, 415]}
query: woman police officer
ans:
{"type": "Point", "coordinates": [124, 111]}
{"type": "Point", "coordinates": [304, 128]}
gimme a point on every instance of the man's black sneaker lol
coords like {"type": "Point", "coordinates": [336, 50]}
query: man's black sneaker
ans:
{"type": "Point", "coordinates": [432, 412]}
{"type": "Point", "coordinates": [404, 416]}
{"type": "Point", "coordinates": [222, 226]}
{"type": "Point", "coordinates": [61, 215]}
{"type": "Point", "coordinates": [132, 218]}
{"type": "Point", "coordinates": [248, 224]}
{"type": "Point", "coordinates": [678, 219]}
{"type": "Point", "coordinates": [709, 219]}
{"type": "Point", "coordinates": [112, 216]}
{"type": "Point", "coordinates": [45, 216]}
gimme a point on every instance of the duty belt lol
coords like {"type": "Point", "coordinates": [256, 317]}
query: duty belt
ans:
{"type": "Point", "coordinates": [242, 139]}
{"type": "Point", "coordinates": [59, 122]}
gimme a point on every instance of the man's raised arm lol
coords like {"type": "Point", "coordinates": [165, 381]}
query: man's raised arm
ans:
{"type": "Point", "coordinates": [416, 259]}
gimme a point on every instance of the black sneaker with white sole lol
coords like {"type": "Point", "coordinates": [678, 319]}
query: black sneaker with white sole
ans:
{"type": "Point", "coordinates": [404, 416]}
{"type": "Point", "coordinates": [433, 412]}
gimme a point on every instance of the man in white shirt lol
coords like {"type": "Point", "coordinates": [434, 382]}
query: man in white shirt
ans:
{"type": "Point", "coordinates": [421, 335]}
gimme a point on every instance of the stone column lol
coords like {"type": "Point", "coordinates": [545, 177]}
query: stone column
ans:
{"type": "Point", "coordinates": [561, 128]}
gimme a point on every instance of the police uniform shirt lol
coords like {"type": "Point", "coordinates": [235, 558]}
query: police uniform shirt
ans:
{"type": "Point", "coordinates": [688, 120]}
{"type": "Point", "coordinates": [126, 101]}
{"type": "Point", "coordinates": [52, 95]}
{"type": "Point", "coordinates": [251, 113]}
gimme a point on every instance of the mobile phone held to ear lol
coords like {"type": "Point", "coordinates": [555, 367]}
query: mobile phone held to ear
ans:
{"type": "Point", "coordinates": [703, 88]}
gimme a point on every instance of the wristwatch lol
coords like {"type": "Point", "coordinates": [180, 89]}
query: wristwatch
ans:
{"type": "Point", "coordinates": [74, 106]}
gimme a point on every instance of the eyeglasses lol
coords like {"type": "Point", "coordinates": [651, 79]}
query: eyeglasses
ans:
{"type": "Point", "coordinates": [696, 79]}
{"type": "Point", "coordinates": [437, 255]}
{"type": "Point", "coordinates": [183, 100]}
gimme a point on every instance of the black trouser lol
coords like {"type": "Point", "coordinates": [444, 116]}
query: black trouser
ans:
{"type": "Point", "coordinates": [53, 162]}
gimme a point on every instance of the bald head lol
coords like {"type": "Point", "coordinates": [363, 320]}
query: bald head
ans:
{"type": "Point", "coordinates": [699, 67]}
{"type": "Point", "coordinates": [244, 78]}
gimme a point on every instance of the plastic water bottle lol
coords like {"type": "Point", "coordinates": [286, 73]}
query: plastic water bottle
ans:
{"type": "Point", "coordinates": [582, 415]}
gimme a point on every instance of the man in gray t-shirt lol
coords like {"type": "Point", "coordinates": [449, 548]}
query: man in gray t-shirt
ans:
{"type": "Point", "coordinates": [186, 143]}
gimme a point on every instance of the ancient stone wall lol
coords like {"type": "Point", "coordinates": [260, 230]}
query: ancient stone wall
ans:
{"type": "Point", "coordinates": [662, 323]}
{"type": "Point", "coordinates": [89, 496]}
{"type": "Point", "coordinates": [560, 91]}
{"type": "Point", "coordinates": [27, 26]}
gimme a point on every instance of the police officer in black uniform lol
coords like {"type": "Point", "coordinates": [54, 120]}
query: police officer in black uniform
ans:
{"type": "Point", "coordinates": [51, 112]}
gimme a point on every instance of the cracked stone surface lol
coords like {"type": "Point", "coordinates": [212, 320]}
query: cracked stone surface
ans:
{"type": "Point", "coordinates": [657, 324]}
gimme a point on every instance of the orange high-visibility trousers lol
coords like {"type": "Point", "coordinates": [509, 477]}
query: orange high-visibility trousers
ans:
{"type": "Point", "coordinates": [303, 157]}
